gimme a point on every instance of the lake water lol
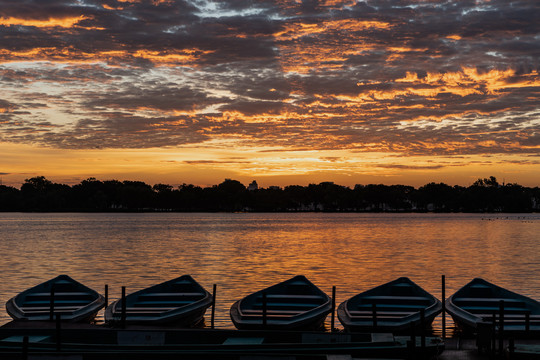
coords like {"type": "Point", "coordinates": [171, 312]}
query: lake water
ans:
{"type": "Point", "coordinates": [242, 253]}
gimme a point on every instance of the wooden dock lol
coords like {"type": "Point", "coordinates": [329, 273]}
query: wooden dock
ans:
{"type": "Point", "coordinates": [139, 342]}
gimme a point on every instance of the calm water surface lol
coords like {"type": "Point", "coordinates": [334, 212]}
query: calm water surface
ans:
{"type": "Point", "coordinates": [242, 253]}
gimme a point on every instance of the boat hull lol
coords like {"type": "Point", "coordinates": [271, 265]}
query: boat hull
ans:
{"type": "Point", "coordinates": [478, 304]}
{"type": "Point", "coordinates": [73, 302]}
{"type": "Point", "coordinates": [313, 321]}
{"type": "Point", "coordinates": [295, 304]}
{"type": "Point", "coordinates": [181, 302]}
{"type": "Point", "coordinates": [392, 307]}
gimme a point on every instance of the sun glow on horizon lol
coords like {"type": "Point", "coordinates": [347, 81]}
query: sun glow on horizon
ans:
{"type": "Point", "coordinates": [287, 92]}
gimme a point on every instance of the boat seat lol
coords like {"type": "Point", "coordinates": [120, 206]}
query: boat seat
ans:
{"type": "Point", "coordinates": [277, 312]}
{"type": "Point", "coordinates": [172, 294]}
{"type": "Point", "coordinates": [511, 316]}
{"type": "Point", "coordinates": [472, 301]}
{"type": "Point", "coordinates": [392, 307]}
{"type": "Point", "coordinates": [47, 308]}
{"type": "Point", "coordinates": [288, 296]}
{"type": "Point", "coordinates": [76, 293]}
{"type": "Point", "coordinates": [290, 306]}
{"type": "Point", "coordinates": [47, 296]}
{"type": "Point", "coordinates": [492, 309]}
{"type": "Point", "coordinates": [361, 313]}
{"type": "Point", "coordinates": [521, 317]}
{"type": "Point", "coordinates": [161, 303]}
{"type": "Point", "coordinates": [481, 290]}
{"type": "Point", "coordinates": [147, 309]}
{"type": "Point", "coordinates": [44, 312]}
{"type": "Point", "coordinates": [396, 299]}
{"type": "Point", "coordinates": [302, 299]}
{"type": "Point", "coordinates": [519, 322]}
{"type": "Point", "coordinates": [298, 283]}
{"type": "Point", "coordinates": [268, 316]}
{"type": "Point", "coordinates": [379, 317]}
{"type": "Point", "coordinates": [64, 302]}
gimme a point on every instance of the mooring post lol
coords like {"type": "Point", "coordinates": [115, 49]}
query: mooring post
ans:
{"type": "Point", "coordinates": [501, 327]}
{"type": "Point", "coordinates": [58, 332]}
{"type": "Point", "coordinates": [413, 336]}
{"type": "Point", "coordinates": [214, 289]}
{"type": "Point", "coordinates": [374, 314]}
{"type": "Point", "coordinates": [412, 341]}
{"type": "Point", "coordinates": [25, 347]}
{"type": "Point", "coordinates": [332, 320]}
{"type": "Point", "coordinates": [422, 329]}
{"type": "Point", "coordinates": [123, 313]}
{"type": "Point", "coordinates": [106, 295]}
{"type": "Point", "coordinates": [51, 305]}
{"type": "Point", "coordinates": [264, 304]}
{"type": "Point", "coordinates": [443, 295]}
{"type": "Point", "coordinates": [511, 348]}
{"type": "Point", "coordinates": [493, 333]}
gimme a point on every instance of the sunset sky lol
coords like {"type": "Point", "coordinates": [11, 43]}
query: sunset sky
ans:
{"type": "Point", "coordinates": [282, 92]}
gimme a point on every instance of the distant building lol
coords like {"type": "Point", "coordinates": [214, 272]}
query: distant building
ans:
{"type": "Point", "coordinates": [253, 186]}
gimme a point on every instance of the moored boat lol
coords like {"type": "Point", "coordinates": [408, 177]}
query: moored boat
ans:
{"type": "Point", "coordinates": [392, 307]}
{"type": "Point", "coordinates": [480, 302]}
{"type": "Point", "coordinates": [293, 304]}
{"type": "Point", "coordinates": [62, 296]}
{"type": "Point", "coordinates": [181, 302]}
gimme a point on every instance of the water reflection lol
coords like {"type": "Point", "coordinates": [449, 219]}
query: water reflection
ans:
{"type": "Point", "coordinates": [243, 253]}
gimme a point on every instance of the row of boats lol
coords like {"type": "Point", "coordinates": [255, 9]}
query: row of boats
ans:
{"type": "Point", "coordinates": [295, 304]}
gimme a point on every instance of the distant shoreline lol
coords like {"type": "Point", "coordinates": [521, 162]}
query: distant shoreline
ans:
{"type": "Point", "coordinates": [112, 196]}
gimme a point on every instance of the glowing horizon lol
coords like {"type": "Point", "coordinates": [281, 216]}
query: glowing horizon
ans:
{"type": "Point", "coordinates": [280, 92]}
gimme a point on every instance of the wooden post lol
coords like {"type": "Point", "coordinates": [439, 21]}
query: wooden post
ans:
{"type": "Point", "coordinates": [25, 348]}
{"type": "Point", "coordinates": [106, 295]}
{"type": "Point", "coordinates": [213, 306]}
{"type": "Point", "coordinates": [264, 304]}
{"type": "Point", "coordinates": [493, 333]}
{"type": "Point", "coordinates": [58, 332]}
{"type": "Point", "coordinates": [374, 314]}
{"type": "Point", "coordinates": [332, 321]}
{"type": "Point", "coordinates": [123, 313]}
{"type": "Point", "coordinates": [527, 321]}
{"type": "Point", "coordinates": [410, 350]}
{"type": "Point", "coordinates": [511, 348]}
{"type": "Point", "coordinates": [423, 329]}
{"type": "Point", "coordinates": [501, 327]}
{"type": "Point", "coordinates": [51, 304]}
{"type": "Point", "coordinates": [412, 341]}
{"type": "Point", "coordinates": [443, 285]}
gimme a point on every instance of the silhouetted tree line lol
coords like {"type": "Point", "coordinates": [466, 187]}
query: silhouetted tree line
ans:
{"type": "Point", "coordinates": [485, 195]}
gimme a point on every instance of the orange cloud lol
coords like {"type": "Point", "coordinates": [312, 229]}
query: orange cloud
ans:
{"type": "Point", "coordinates": [51, 22]}
{"type": "Point", "coordinates": [70, 55]}
{"type": "Point", "coordinates": [298, 30]}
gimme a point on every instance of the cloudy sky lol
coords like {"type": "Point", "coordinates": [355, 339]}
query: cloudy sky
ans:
{"type": "Point", "coordinates": [284, 92]}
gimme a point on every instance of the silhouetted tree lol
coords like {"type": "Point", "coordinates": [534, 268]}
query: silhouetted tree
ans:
{"type": "Point", "coordinates": [10, 199]}
{"type": "Point", "coordinates": [484, 195]}
{"type": "Point", "coordinates": [40, 194]}
{"type": "Point", "coordinates": [436, 197]}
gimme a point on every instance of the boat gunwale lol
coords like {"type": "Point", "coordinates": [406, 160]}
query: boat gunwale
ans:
{"type": "Point", "coordinates": [176, 314]}
{"type": "Point", "coordinates": [82, 312]}
{"type": "Point", "coordinates": [349, 320]}
{"type": "Point", "coordinates": [303, 318]}
{"type": "Point", "coordinates": [472, 320]}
